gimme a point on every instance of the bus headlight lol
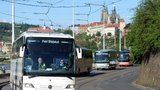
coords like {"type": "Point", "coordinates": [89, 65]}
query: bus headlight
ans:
{"type": "Point", "coordinates": [70, 86]}
{"type": "Point", "coordinates": [28, 85]}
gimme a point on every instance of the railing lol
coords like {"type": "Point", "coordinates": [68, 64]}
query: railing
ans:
{"type": "Point", "coordinates": [4, 75]}
{"type": "Point", "coordinates": [4, 79]}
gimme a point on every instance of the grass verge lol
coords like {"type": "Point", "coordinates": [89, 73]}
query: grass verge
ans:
{"type": "Point", "coordinates": [149, 75]}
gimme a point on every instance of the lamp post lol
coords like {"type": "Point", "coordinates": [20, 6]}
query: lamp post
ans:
{"type": "Point", "coordinates": [104, 41]}
{"type": "Point", "coordinates": [13, 20]}
{"type": "Point", "coordinates": [120, 36]}
{"type": "Point", "coordinates": [73, 15]}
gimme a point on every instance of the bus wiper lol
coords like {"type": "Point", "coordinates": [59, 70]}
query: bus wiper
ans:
{"type": "Point", "coordinates": [32, 76]}
{"type": "Point", "coordinates": [70, 78]}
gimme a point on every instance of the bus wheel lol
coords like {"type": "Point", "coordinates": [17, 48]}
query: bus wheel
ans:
{"type": "Point", "coordinates": [114, 68]}
{"type": "Point", "coordinates": [88, 70]}
{"type": "Point", "coordinates": [79, 70]}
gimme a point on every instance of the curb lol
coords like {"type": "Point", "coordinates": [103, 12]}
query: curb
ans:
{"type": "Point", "coordinates": [4, 83]}
{"type": "Point", "coordinates": [141, 86]}
{"type": "Point", "coordinates": [5, 79]}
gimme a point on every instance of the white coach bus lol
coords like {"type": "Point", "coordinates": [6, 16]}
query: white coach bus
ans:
{"type": "Point", "coordinates": [106, 59]}
{"type": "Point", "coordinates": [45, 61]}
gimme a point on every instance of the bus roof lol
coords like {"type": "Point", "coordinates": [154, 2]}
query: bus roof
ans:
{"type": "Point", "coordinates": [106, 50]}
{"type": "Point", "coordinates": [45, 34]}
{"type": "Point", "coordinates": [124, 51]}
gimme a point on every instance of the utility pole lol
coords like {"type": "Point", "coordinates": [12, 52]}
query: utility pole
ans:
{"type": "Point", "coordinates": [120, 36]}
{"type": "Point", "coordinates": [13, 20]}
{"type": "Point", "coordinates": [104, 35]}
{"type": "Point", "coordinates": [73, 20]}
{"type": "Point", "coordinates": [104, 42]}
{"type": "Point", "coordinates": [125, 46]}
{"type": "Point", "coordinates": [115, 41]}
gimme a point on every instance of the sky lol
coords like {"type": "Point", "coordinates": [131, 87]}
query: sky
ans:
{"type": "Point", "coordinates": [54, 12]}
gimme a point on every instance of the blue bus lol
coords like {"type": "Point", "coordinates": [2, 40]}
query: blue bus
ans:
{"type": "Point", "coordinates": [124, 58]}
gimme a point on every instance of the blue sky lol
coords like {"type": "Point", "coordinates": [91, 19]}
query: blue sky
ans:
{"type": "Point", "coordinates": [63, 16]}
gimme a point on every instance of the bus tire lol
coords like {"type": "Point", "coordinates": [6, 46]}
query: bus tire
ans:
{"type": "Point", "coordinates": [78, 71]}
{"type": "Point", "coordinates": [114, 68]}
{"type": "Point", "coordinates": [88, 70]}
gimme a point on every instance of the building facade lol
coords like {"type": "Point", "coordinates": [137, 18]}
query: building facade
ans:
{"type": "Point", "coordinates": [109, 23]}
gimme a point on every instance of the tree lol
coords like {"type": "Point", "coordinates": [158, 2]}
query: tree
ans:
{"type": "Point", "coordinates": [68, 32]}
{"type": "Point", "coordinates": [98, 34]}
{"type": "Point", "coordinates": [5, 30]}
{"type": "Point", "coordinates": [85, 40]}
{"type": "Point", "coordinates": [144, 37]}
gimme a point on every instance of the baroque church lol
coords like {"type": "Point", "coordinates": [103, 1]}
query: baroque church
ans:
{"type": "Point", "coordinates": [109, 18]}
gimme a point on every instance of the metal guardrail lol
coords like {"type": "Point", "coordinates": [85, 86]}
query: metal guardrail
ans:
{"type": "Point", "coordinates": [4, 75]}
{"type": "Point", "coordinates": [4, 79]}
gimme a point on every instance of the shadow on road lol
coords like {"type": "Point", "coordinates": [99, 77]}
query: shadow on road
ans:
{"type": "Point", "coordinates": [121, 68]}
{"type": "Point", "coordinates": [92, 74]}
{"type": "Point", "coordinates": [3, 84]}
{"type": "Point", "coordinates": [102, 71]}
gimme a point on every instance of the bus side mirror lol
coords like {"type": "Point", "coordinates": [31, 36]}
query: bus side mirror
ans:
{"type": "Point", "coordinates": [109, 55]}
{"type": "Point", "coordinates": [21, 51]}
{"type": "Point", "coordinates": [79, 53]}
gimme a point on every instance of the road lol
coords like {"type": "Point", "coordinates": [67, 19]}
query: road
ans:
{"type": "Point", "coordinates": [120, 79]}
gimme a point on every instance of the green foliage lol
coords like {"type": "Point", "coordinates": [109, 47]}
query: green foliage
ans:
{"type": "Point", "coordinates": [6, 33]}
{"type": "Point", "coordinates": [144, 37]}
{"type": "Point", "coordinates": [109, 34]}
{"type": "Point", "coordinates": [68, 32]}
{"type": "Point", "coordinates": [98, 34]}
{"type": "Point", "coordinates": [87, 41]}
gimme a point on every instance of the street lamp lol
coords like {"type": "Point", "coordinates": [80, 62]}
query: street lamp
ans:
{"type": "Point", "coordinates": [73, 15]}
{"type": "Point", "coordinates": [104, 41]}
{"type": "Point", "coordinates": [13, 20]}
{"type": "Point", "coordinates": [120, 36]}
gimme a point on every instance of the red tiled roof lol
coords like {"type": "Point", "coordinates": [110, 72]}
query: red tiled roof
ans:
{"type": "Point", "coordinates": [112, 25]}
{"type": "Point", "coordinates": [100, 24]}
{"type": "Point", "coordinates": [41, 29]}
{"type": "Point", "coordinates": [1, 44]}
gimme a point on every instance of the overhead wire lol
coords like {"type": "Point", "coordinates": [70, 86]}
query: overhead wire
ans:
{"type": "Point", "coordinates": [46, 13]}
{"type": "Point", "coordinates": [33, 5]}
{"type": "Point", "coordinates": [50, 5]}
{"type": "Point", "coordinates": [11, 15]}
{"type": "Point", "coordinates": [29, 18]}
{"type": "Point", "coordinates": [47, 3]}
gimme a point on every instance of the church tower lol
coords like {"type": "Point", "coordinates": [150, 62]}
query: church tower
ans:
{"type": "Point", "coordinates": [113, 15]}
{"type": "Point", "coordinates": [104, 14]}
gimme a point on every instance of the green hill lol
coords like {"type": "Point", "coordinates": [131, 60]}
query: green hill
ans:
{"type": "Point", "coordinates": [6, 30]}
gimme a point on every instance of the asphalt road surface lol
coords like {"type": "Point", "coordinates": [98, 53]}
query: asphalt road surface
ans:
{"type": "Point", "coordinates": [119, 79]}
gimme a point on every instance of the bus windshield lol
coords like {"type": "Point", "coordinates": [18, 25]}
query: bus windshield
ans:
{"type": "Point", "coordinates": [123, 56]}
{"type": "Point", "coordinates": [101, 57]}
{"type": "Point", "coordinates": [49, 56]}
